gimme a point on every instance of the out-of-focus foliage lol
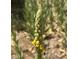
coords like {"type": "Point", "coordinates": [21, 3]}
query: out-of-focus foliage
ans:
{"type": "Point", "coordinates": [53, 18]}
{"type": "Point", "coordinates": [17, 15]}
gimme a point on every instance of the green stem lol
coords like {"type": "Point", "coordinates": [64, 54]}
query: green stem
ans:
{"type": "Point", "coordinates": [38, 54]}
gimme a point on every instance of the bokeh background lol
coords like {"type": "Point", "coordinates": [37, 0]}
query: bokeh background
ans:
{"type": "Point", "coordinates": [52, 24]}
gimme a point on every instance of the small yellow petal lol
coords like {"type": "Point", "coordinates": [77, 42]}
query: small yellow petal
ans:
{"type": "Point", "coordinates": [37, 42]}
{"type": "Point", "coordinates": [37, 45]}
{"type": "Point", "coordinates": [34, 42]}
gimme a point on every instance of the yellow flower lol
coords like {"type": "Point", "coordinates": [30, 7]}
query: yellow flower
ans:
{"type": "Point", "coordinates": [37, 45]}
{"type": "Point", "coordinates": [37, 42]}
{"type": "Point", "coordinates": [34, 42]}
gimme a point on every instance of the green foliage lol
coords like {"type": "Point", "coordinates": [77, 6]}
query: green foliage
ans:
{"type": "Point", "coordinates": [18, 51]}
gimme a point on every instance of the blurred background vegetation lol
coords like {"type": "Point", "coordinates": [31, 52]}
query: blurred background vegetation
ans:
{"type": "Point", "coordinates": [53, 21]}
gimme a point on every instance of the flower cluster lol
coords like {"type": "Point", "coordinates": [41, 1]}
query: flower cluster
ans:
{"type": "Point", "coordinates": [37, 44]}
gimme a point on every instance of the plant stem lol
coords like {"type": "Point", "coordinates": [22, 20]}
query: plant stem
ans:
{"type": "Point", "coordinates": [38, 54]}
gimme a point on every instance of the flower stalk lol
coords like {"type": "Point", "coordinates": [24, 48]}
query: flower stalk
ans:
{"type": "Point", "coordinates": [37, 40]}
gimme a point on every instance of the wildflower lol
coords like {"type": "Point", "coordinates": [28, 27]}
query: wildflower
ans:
{"type": "Point", "coordinates": [37, 45]}
{"type": "Point", "coordinates": [37, 42]}
{"type": "Point", "coordinates": [34, 42]}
